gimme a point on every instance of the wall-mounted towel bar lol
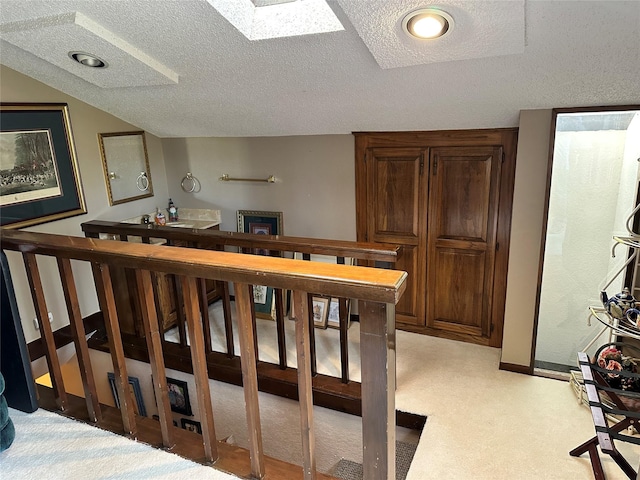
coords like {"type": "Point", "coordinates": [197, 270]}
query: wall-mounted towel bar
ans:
{"type": "Point", "coordinates": [226, 178]}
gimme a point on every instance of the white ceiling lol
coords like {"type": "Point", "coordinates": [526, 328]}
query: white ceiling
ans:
{"type": "Point", "coordinates": [178, 68]}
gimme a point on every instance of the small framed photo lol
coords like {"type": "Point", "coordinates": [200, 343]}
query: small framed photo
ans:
{"type": "Point", "coordinates": [333, 318]}
{"type": "Point", "coordinates": [264, 302]}
{"type": "Point", "coordinates": [179, 396]}
{"type": "Point", "coordinates": [157, 417]}
{"type": "Point", "coordinates": [136, 393]}
{"type": "Point", "coordinates": [191, 425]}
{"type": "Point", "coordinates": [320, 311]}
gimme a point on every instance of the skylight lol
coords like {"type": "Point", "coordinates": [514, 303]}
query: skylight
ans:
{"type": "Point", "coordinates": [262, 19]}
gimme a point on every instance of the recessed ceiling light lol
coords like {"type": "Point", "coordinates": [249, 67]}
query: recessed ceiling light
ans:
{"type": "Point", "coordinates": [427, 23]}
{"type": "Point", "coordinates": [88, 60]}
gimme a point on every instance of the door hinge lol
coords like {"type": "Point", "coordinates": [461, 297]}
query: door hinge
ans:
{"type": "Point", "coordinates": [503, 157]}
{"type": "Point", "coordinates": [497, 246]}
{"type": "Point", "coordinates": [435, 165]}
{"type": "Point", "coordinates": [421, 166]}
{"type": "Point", "coordinates": [491, 327]}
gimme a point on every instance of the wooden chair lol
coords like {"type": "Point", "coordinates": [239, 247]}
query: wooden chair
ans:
{"type": "Point", "coordinates": [608, 399]}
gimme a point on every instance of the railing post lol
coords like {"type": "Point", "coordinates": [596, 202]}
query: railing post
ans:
{"type": "Point", "coordinates": [153, 337]}
{"type": "Point", "coordinates": [248, 360]}
{"type": "Point", "coordinates": [102, 276]}
{"type": "Point", "coordinates": [199, 362]}
{"type": "Point", "coordinates": [378, 352]}
{"type": "Point", "coordinates": [40, 304]}
{"type": "Point", "coordinates": [305, 384]}
{"type": "Point", "coordinates": [79, 339]}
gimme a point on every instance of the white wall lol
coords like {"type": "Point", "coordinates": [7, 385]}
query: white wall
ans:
{"type": "Point", "coordinates": [315, 180]}
{"type": "Point", "coordinates": [526, 235]}
{"type": "Point", "coordinates": [86, 123]}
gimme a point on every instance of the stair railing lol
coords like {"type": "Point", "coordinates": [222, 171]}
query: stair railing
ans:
{"type": "Point", "coordinates": [378, 290]}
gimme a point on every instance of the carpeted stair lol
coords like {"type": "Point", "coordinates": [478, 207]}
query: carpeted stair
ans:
{"type": "Point", "coordinates": [348, 470]}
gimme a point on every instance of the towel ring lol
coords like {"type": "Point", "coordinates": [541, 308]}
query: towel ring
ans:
{"type": "Point", "coordinates": [190, 183]}
{"type": "Point", "coordinates": [142, 182]}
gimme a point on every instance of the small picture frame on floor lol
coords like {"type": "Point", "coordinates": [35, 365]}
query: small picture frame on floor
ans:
{"type": "Point", "coordinates": [191, 425]}
{"type": "Point", "coordinates": [179, 396]}
{"type": "Point", "coordinates": [320, 309]}
{"type": "Point", "coordinates": [333, 317]}
{"type": "Point", "coordinates": [136, 393]}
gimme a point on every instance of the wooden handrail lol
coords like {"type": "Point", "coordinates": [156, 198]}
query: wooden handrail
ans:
{"type": "Point", "coordinates": [214, 238]}
{"type": "Point", "coordinates": [363, 283]}
{"type": "Point", "coordinates": [379, 290]}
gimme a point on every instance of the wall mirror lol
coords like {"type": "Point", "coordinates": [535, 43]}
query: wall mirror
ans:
{"type": "Point", "coordinates": [126, 166]}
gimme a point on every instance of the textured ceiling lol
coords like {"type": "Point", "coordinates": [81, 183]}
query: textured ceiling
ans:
{"type": "Point", "coordinates": [179, 68]}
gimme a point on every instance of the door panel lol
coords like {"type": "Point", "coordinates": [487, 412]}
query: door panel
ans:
{"type": "Point", "coordinates": [458, 296]}
{"type": "Point", "coordinates": [394, 185]}
{"type": "Point", "coordinates": [396, 193]}
{"type": "Point", "coordinates": [406, 308]}
{"type": "Point", "coordinates": [463, 201]}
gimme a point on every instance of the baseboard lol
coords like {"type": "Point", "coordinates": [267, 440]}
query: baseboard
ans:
{"type": "Point", "coordinates": [512, 367]}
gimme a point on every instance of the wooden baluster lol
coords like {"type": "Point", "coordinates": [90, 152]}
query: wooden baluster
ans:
{"type": "Point", "coordinates": [280, 329]}
{"type": "Point", "coordinates": [254, 326]}
{"type": "Point", "coordinates": [199, 362]}
{"type": "Point", "coordinates": [312, 332]}
{"type": "Point", "coordinates": [153, 336]}
{"type": "Point", "coordinates": [343, 316]}
{"type": "Point", "coordinates": [104, 287]}
{"type": "Point", "coordinates": [180, 315]}
{"type": "Point", "coordinates": [377, 347]}
{"type": "Point", "coordinates": [305, 387]}
{"type": "Point", "coordinates": [42, 314]}
{"type": "Point", "coordinates": [244, 298]}
{"type": "Point", "coordinates": [343, 313]}
{"type": "Point", "coordinates": [79, 339]}
{"type": "Point", "coordinates": [228, 323]}
{"type": "Point", "coordinates": [312, 336]}
{"type": "Point", "coordinates": [204, 312]}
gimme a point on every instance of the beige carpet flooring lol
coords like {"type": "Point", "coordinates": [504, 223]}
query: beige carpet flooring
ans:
{"type": "Point", "coordinates": [483, 423]}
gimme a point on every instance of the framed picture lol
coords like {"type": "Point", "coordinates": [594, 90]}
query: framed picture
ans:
{"type": "Point", "coordinates": [259, 222]}
{"type": "Point", "coordinates": [191, 425]}
{"type": "Point", "coordinates": [320, 311]}
{"type": "Point", "coordinates": [136, 393]}
{"type": "Point", "coordinates": [126, 166]}
{"type": "Point", "coordinates": [157, 417]}
{"type": "Point", "coordinates": [179, 396]}
{"type": "Point", "coordinates": [39, 176]}
{"type": "Point", "coordinates": [333, 318]}
{"type": "Point", "coordinates": [264, 302]}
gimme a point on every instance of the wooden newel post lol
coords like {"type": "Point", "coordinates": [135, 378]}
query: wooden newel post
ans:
{"type": "Point", "coordinates": [378, 351]}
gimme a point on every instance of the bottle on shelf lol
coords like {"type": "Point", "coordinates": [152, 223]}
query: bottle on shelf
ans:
{"type": "Point", "coordinates": [173, 211]}
{"type": "Point", "coordinates": [160, 218]}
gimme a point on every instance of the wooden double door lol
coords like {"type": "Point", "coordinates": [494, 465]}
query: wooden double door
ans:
{"type": "Point", "coordinates": [445, 197]}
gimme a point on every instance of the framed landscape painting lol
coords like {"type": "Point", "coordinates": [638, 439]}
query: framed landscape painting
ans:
{"type": "Point", "coordinates": [39, 176]}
